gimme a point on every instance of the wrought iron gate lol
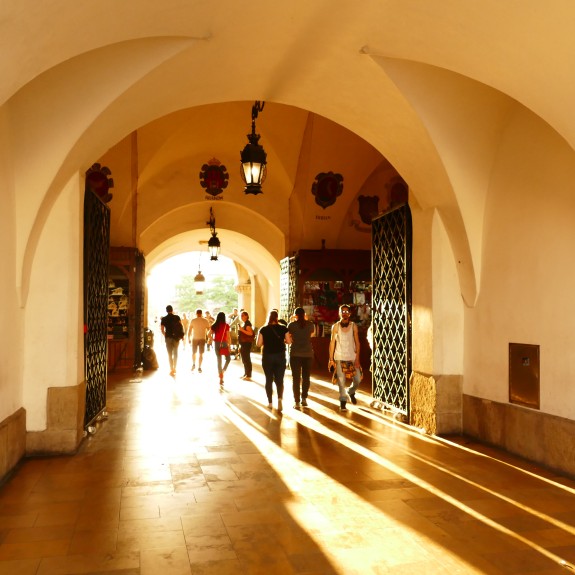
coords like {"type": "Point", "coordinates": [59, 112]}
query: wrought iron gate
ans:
{"type": "Point", "coordinates": [96, 255]}
{"type": "Point", "coordinates": [391, 357]}
{"type": "Point", "coordinates": [288, 287]}
{"type": "Point", "coordinates": [140, 278]}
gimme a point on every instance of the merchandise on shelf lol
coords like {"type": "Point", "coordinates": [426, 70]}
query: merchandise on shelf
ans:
{"type": "Point", "coordinates": [118, 306]}
{"type": "Point", "coordinates": [321, 300]}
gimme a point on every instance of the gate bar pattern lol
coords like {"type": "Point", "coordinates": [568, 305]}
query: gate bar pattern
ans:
{"type": "Point", "coordinates": [391, 273]}
{"type": "Point", "coordinates": [96, 258]}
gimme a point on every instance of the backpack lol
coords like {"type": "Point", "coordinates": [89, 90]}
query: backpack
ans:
{"type": "Point", "coordinates": [179, 330]}
{"type": "Point", "coordinates": [149, 359]}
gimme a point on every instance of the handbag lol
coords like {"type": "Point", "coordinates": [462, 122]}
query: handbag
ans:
{"type": "Point", "coordinates": [245, 338]}
{"type": "Point", "coordinates": [224, 348]}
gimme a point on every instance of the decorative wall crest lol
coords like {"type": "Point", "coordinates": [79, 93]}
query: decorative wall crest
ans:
{"type": "Point", "coordinates": [326, 188]}
{"type": "Point", "coordinates": [98, 182]}
{"type": "Point", "coordinates": [368, 208]}
{"type": "Point", "coordinates": [398, 192]}
{"type": "Point", "coordinates": [214, 177]}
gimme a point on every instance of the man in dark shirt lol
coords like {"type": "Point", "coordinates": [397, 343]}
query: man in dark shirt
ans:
{"type": "Point", "coordinates": [173, 332]}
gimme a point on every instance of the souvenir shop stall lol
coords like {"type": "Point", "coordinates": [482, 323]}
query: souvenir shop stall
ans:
{"type": "Point", "coordinates": [125, 308]}
{"type": "Point", "coordinates": [320, 281]}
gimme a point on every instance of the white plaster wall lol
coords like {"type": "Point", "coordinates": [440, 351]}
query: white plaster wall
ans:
{"type": "Point", "coordinates": [422, 302]}
{"type": "Point", "coordinates": [437, 304]}
{"type": "Point", "coordinates": [11, 316]}
{"type": "Point", "coordinates": [54, 348]}
{"type": "Point", "coordinates": [526, 294]}
{"type": "Point", "coordinates": [448, 306]}
{"type": "Point", "coordinates": [266, 297]}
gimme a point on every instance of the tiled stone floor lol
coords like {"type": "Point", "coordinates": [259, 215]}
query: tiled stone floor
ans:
{"type": "Point", "coordinates": [184, 480]}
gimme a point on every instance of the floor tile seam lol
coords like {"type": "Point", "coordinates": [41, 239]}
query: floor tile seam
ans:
{"type": "Point", "coordinates": [146, 531]}
{"type": "Point", "coordinates": [35, 532]}
{"type": "Point", "coordinates": [34, 546]}
{"type": "Point", "coordinates": [45, 566]}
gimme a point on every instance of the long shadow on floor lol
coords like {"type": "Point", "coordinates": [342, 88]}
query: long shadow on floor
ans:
{"type": "Point", "coordinates": [499, 517]}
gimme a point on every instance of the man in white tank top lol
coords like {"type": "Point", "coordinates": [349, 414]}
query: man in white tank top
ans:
{"type": "Point", "coordinates": [344, 355]}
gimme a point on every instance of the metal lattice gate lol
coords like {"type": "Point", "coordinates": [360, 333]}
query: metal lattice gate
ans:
{"type": "Point", "coordinates": [391, 357]}
{"type": "Point", "coordinates": [288, 287]}
{"type": "Point", "coordinates": [96, 256]}
{"type": "Point", "coordinates": [139, 316]}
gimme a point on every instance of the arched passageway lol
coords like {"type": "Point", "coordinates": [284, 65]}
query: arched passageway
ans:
{"type": "Point", "coordinates": [487, 155]}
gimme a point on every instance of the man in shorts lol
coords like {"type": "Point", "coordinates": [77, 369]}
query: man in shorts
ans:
{"type": "Point", "coordinates": [197, 332]}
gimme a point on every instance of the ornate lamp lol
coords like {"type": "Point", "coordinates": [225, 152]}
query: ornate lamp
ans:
{"type": "Point", "coordinates": [199, 282]}
{"type": "Point", "coordinates": [214, 241]}
{"type": "Point", "coordinates": [253, 157]}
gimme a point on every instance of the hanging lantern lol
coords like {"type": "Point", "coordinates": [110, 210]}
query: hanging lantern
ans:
{"type": "Point", "coordinates": [214, 247]}
{"type": "Point", "coordinates": [199, 282]}
{"type": "Point", "coordinates": [214, 241]}
{"type": "Point", "coordinates": [253, 158]}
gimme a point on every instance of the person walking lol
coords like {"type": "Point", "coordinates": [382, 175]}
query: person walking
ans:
{"type": "Point", "coordinates": [301, 355]}
{"type": "Point", "coordinates": [234, 319]}
{"type": "Point", "coordinates": [220, 336]}
{"type": "Point", "coordinates": [211, 321]}
{"type": "Point", "coordinates": [344, 356]}
{"type": "Point", "coordinates": [234, 322]}
{"type": "Point", "coordinates": [246, 337]}
{"type": "Point", "coordinates": [173, 332]}
{"type": "Point", "coordinates": [197, 335]}
{"type": "Point", "coordinates": [186, 324]}
{"type": "Point", "coordinates": [273, 338]}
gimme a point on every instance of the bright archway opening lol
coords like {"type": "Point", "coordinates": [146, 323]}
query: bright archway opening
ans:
{"type": "Point", "coordinates": [257, 269]}
{"type": "Point", "coordinates": [170, 282]}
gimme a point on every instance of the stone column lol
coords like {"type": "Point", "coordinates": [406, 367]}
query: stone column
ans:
{"type": "Point", "coordinates": [436, 403]}
{"type": "Point", "coordinates": [244, 292]}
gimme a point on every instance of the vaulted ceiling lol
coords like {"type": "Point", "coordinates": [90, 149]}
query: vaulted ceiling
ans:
{"type": "Point", "coordinates": [427, 87]}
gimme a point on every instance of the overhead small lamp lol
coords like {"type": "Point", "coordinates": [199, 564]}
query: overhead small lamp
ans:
{"type": "Point", "coordinates": [199, 280]}
{"type": "Point", "coordinates": [214, 241]}
{"type": "Point", "coordinates": [253, 156]}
